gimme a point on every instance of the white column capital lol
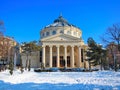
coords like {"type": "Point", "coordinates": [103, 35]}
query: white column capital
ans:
{"type": "Point", "coordinates": [50, 46]}
{"type": "Point", "coordinates": [72, 46]}
{"type": "Point", "coordinates": [57, 46]}
{"type": "Point", "coordinates": [65, 46]}
{"type": "Point", "coordinates": [43, 46]}
{"type": "Point", "coordinates": [79, 46]}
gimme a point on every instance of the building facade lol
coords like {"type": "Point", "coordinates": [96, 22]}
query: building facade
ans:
{"type": "Point", "coordinates": [62, 45]}
{"type": "Point", "coordinates": [113, 55]}
{"type": "Point", "coordinates": [7, 45]}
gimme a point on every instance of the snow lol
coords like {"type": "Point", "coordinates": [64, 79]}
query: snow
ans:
{"type": "Point", "coordinates": [100, 80]}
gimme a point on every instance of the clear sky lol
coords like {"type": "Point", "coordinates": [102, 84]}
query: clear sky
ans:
{"type": "Point", "coordinates": [25, 18]}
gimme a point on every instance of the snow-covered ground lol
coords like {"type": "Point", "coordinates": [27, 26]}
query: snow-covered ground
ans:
{"type": "Point", "coordinates": [101, 80]}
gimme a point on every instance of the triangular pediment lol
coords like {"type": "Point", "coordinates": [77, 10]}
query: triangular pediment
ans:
{"type": "Point", "coordinates": [60, 37]}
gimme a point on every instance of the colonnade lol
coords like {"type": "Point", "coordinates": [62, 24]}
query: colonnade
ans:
{"type": "Point", "coordinates": [72, 64]}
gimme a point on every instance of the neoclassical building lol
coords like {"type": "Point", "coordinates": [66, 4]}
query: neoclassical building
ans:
{"type": "Point", "coordinates": [62, 45]}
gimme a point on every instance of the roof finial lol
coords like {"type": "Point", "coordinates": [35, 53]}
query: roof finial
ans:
{"type": "Point", "coordinates": [60, 14]}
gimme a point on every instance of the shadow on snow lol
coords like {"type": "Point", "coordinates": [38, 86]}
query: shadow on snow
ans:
{"type": "Point", "coordinates": [52, 86]}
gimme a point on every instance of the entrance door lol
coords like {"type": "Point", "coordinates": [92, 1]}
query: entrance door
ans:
{"type": "Point", "coordinates": [54, 61]}
{"type": "Point", "coordinates": [61, 61]}
{"type": "Point", "coordinates": [68, 61]}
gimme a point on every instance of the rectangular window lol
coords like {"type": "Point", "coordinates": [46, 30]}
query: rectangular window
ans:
{"type": "Point", "coordinates": [61, 61]}
{"type": "Point", "coordinates": [47, 33]}
{"type": "Point", "coordinates": [68, 61]}
{"type": "Point", "coordinates": [40, 56]}
{"type": "Point", "coordinates": [54, 63]}
{"type": "Point", "coordinates": [82, 55]}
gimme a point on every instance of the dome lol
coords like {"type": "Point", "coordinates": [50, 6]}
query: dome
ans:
{"type": "Point", "coordinates": [60, 26]}
{"type": "Point", "coordinates": [60, 21]}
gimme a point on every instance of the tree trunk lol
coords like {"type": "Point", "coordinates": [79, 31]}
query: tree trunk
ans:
{"type": "Point", "coordinates": [29, 66]}
{"type": "Point", "coordinates": [101, 64]}
{"type": "Point", "coordinates": [115, 63]}
{"type": "Point", "coordinates": [89, 65]}
{"type": "Point", "coordinates": [26, 63]}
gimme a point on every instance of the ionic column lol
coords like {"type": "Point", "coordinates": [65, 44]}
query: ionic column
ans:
{"type": "Point", "coordinates": [58, 61]}
{"type": "Point", "coordinates": [79, 56]}
{"type": "Point", "coordinates": [43, 55]}
{"type": "Point", "coordinates": [72, 60]}
{"type": "Point", "coordinates": [50, 63]}
{"type": "Point", "coordinates": [65, 57]}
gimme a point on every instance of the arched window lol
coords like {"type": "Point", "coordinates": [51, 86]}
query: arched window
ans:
{"type": "Point", "coordinates": [75, 33]}
{"type": "Point", "coordinates": [68, 32]}
{"type": "Point", "coordinates": [43, 35]}
{"type": "Point", "coordinates": [61, 31]}
{"type": "Point", "coordinates": [79, 34]}
{"type": "Point", "coordinates": [54, 32]}
{"type": "Point", "coordinates": [47, 33]}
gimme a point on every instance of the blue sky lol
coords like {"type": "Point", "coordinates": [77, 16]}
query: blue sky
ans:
{"type": "Point", "coordinates": [25, 18]}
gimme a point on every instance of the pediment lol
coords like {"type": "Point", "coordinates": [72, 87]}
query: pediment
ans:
{"type": "Point", "coordinates": [60, 37]}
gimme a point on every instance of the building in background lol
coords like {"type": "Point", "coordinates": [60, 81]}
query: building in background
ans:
{"type": "Point", "coordinates": [113, 55]}
{"type": "Point", "coordinates": [7, 45]}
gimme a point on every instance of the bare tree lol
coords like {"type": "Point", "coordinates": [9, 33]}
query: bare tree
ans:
{"type": "Point", "coordinates": [2, 27]}
{"type": "Point", "coordinates": [112, 35]}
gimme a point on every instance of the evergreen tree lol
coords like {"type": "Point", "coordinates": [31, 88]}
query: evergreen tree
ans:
{"type": "Point", "coordinates": [27, 49]}
{"type": "Point", "coordinates": [90, 52]}
{"type": "Point", "coordinates": [11, 66]}
{"type": "Point", "coordinates": [96, 54]}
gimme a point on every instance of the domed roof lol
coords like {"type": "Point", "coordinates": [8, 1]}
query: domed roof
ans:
{"type": "Point", "coordinates": [60, 26]}
{"type": "Point", "coordinates": [60, 21]}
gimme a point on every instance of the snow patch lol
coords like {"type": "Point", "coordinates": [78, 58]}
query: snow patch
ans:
{"type": "Point", "coordinates": [101, 80]}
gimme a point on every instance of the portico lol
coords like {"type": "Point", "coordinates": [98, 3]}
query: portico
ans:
{"type": "Point", "coordinates": [61, 55]}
